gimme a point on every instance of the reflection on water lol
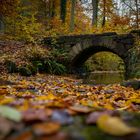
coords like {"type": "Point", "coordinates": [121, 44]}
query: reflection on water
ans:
{"type": "Point", "coordinates": [103, 78]}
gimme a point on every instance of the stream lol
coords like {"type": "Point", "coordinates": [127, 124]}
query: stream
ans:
{"type": "Point", "coordinates": [103, 78]}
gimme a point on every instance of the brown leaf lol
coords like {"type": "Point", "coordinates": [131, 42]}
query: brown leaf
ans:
{"type": "Point", "coordinates": [71, 112]}
{"type": "Point", "coordinates": [46, 128]}
{"type": "Point", "coordinates": [80, 109]}
{"type": "Point", "coordinates": [5, 127]}
{"type": "Point", "coordinates": [57, 136]}
{"type": "Point", "coordinates": [3, 91]}
{"type": "Point", "coordinates": [23, 136]}
{"type": "Point", "coordinates": [93, 117]}
{"type": "Point", "coordinates": [32, 115]}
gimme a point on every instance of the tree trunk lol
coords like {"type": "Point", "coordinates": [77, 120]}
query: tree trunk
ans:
{"type": "Point", "coordinates": [2, 26]}
{"type": "Point", "coordinates": [137, 14]}
{"type": "Point", "coordinates": [72, 15]}
{"type": "Point", "coordinates": [95, 12]}
{"type": "Point", "coordinates": [63, 10]}
{"type": "Point", "coordinates": [51, 8]}
{"type": "Point", "coordinates": [104, 13]}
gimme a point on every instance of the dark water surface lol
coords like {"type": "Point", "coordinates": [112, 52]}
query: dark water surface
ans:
{"type": "Point", "coordinates": [104, 78]}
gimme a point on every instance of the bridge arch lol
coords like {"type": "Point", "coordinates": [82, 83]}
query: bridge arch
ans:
{"type": "Point", "coordinates": [79, 55]}
{"type": "Point", "coordinates": [81, 47]}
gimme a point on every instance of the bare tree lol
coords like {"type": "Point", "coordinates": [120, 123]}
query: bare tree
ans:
{"type": "Point", "coordinates": [133, 8]}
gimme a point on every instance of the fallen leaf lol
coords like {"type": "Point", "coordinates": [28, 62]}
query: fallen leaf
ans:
{"type": "Point", "coordinates": [57, 136]}
{"type": "Point", "coordinates": [7, 100]}
{"type": "Point", "coordinates": [23, 136]}
{"type": "Point", "coordinates": [46, 128]}
{"type": "Point", "coordinates": [10, 113]}
{"type": "Point", "coordinates": [32, 115]}
{"type": "Point", "coordinates": [5, 127]}
{"type": "Point", "coordinates": [62, 117]}
{"type": "Point", "coordinates": [80, 109]}
{"type": "Point", "coordinates": [93, 117]}
{"type": "Point", "coordinates": [3, 91]}
{"type": "Point", "coordinates": [71, 112]}
{"type": "Point", "coordinates": [114, 126]}
{"type": "Point", "coordinates": [135, 101]}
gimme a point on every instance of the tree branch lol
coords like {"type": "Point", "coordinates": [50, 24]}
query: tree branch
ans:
{"type": "Point", "coordinates": [128, 6]}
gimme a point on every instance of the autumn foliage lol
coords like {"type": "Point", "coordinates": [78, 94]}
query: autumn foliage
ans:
{"type": "Point", "coordinates": [8, 7]}
{"type": "Point", "coordinates": [34, 19]}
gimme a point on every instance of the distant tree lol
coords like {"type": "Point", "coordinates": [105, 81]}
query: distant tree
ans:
{"type": "Point", "coordinates": [107, 11]}
{"type": "Point", "coordinates": [63, 10]}
{"type": "Point", "coordinates": [133, 9]}
{"type": "Point", "coordinates": [95, 12]}
{"type": "Point", "coordinates": [73, 3]}
{"type": "Point", "coordinates": [104, 13]}
{"type": "Point", "coordinates": [2, 26]}
{"type": "Point", "coordinates": [137, 12]}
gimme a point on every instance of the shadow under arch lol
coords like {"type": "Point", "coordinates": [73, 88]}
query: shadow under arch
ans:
{"type": "Point", "coordinates": [80, 58]}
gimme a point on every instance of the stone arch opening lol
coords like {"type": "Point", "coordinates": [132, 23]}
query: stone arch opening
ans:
{"type": "Point", "coordinates": [105, 62]}
{"type": "Point", "coordinates": [80, 57]}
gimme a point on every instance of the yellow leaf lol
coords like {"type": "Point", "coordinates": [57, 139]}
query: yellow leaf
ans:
{"type": "Point", "coordinates": [114, 126]}
{"type": "Point", "coordinates": [123, 108]}
{"type": "Point", "coordinates": [47, 97]}
{"type": "Point", "coordinates": [137, 101]}
{"type": "Point", "coordinates": [108, 106]}
{"type": "Point", "coordinates": [7, 100]}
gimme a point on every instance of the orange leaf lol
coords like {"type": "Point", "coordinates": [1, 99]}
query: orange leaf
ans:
{"type": "Point", "coordinates": [81, 109]}
{"type": "Point", "coordinates": [46, 128]}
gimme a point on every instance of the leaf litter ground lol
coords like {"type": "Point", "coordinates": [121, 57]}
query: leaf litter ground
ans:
{"type": "Point", "coordinates": [46, 107]}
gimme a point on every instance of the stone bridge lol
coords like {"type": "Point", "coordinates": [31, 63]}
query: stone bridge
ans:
{"type": "Point", "coordinates": [81, 47]}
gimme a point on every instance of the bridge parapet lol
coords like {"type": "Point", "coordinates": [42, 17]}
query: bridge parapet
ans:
{"type": "Point", "coordinates": [73, 39]}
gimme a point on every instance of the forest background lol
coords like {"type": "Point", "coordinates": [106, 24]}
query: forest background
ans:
{"type": "Point", "coordinates": [29, 21]}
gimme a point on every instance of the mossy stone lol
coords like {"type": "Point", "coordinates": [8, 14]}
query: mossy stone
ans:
{"type": "Point", "coordinates": [132, 83]}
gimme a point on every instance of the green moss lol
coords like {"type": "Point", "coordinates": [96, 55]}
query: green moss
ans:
{"type": "Point", "coordinates": [39, 66]}
{"type": "Point", "coordinates": [33, 69]}
{"type": "Point", "coordinates": [25, 71]}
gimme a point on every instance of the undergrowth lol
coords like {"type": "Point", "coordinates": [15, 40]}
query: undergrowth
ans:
{"type": "Point", "coordinates": [34, 59]}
